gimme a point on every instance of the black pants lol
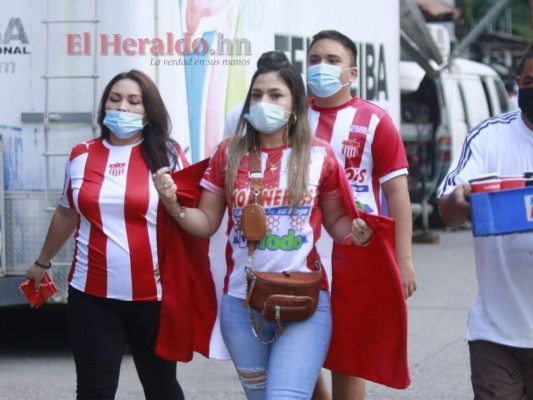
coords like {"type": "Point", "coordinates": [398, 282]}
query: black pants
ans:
{"type": "Point", "coordinates": [100, 329]}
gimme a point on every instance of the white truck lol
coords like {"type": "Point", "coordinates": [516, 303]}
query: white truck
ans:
{"type": "Point", "coordinates": [442, 98]}
{"type": "Point", "coordinates": [57, 55]}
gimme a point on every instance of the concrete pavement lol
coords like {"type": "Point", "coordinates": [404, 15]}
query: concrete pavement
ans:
{"type": "Point", "coordinates": [438, 354]}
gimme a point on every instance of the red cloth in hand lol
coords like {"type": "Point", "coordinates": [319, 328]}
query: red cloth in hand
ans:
{"type": "Point", "coordinates": [189, 304]}
{"type": "Point", "coordinates": [369, 310]}
{"type": "Point", "coordinates": [37, 298]}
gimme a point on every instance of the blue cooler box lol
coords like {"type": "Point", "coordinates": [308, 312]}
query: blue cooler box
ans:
{"type": "Point", "coordinates": [503, 212]}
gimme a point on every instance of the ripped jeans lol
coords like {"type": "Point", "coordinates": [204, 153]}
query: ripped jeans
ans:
{"type": "Point", "coordinates": [286, 369]}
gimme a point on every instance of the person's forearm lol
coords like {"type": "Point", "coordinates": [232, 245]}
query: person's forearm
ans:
{"type": "Point", "coordinates": [194, 220]}
{"type": "Point", "coordinates": [451, 212]}
{"type": "Point", "coordinates": [202, 221]}
{"type": "Point", "coordinates": [400, 210]}
{"type": "Point", "coordinates": [61, 228]}
{"type": "Point", "coordinates": [341, 229]}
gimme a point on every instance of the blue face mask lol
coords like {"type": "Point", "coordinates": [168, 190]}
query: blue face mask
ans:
{"type": "Point", "coordinates": [324, 79]}
{"type": "Point", "coordinates": [124, 125]}
{"type": "Point", "coordinates": [266, 117]}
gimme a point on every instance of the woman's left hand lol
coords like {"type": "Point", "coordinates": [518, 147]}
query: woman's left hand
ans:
{"type": "Point", "coordinates": [164, 184]}
{"type": "Point", "coordinates": [361, 232]}
{"type": "Point", "coordinates": [166, 188]}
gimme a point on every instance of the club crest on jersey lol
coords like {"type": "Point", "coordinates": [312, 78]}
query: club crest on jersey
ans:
{"type": "Point", "coordinates": [350, 148]}
{"type": "Point", "coordinates": [117, 169]}
{"type": "Point", "coordinates": [359, 129]}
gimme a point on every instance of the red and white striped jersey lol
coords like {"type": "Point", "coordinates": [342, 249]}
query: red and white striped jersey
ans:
{"type": "Point", "coordinates": [292, 233]}
{"type": "Point", "coordinates": [366, 142]}
{"type": "Point", "coordinates": [112, 189]}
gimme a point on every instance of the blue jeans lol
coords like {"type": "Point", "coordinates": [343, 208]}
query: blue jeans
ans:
{"type": "Point", "coordinates": [289, 367]}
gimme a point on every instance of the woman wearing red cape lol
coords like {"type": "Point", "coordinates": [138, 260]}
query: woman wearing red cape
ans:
{"type": "Point", "coordinates": [371, 343]}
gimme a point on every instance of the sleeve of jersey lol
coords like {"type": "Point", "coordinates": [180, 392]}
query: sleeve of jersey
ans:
{"type": "Point", "coordinates": [213, 179]}
{"type": "Point", "coordinates": [332, 173]}
{"type": "Point", "coordinates": [467, 166]}
{"type": "Point", "coordinates": [66, 196]}
{"type": "Point", "coordinates": [388, 151]}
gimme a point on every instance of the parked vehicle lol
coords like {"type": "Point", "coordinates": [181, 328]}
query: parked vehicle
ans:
{"type": "Point", "coordinates": [438, 108]}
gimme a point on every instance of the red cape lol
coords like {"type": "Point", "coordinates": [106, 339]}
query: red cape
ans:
{"type": "Point", "coordinates": [189, 305]}
{"type": "Point", "coordinates": [369, 310]}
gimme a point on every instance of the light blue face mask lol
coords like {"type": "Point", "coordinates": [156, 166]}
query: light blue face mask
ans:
{"type": "Point", "coordinates": [266, 117]}
{"type": "Point", "coordinates": [124, 125]}
{"type": "Point", "coordinates": [324, 79]}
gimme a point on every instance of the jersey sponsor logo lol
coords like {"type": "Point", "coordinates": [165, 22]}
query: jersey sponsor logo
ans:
{"type": "Point", "coordinates": [360, 188]}
{"type": "Point", "coordinates": [350, 148]}
{"type": "Point", "coordinates": [288, 211]}
{"type": "Point", "coordinates": [529, 207]}
{"type": "Point", "coordinates": [355, 175]}
{"type": "Point", "coordinates": [239, 239]}
{"type": "Point", "coordinates": [288, 242]}
{"type": "Point", "coordinates": [275, 197]}
{"type": "Point", "coordinates": [359, 129]}
{"type": "Point", "coordinates": [117, 169]}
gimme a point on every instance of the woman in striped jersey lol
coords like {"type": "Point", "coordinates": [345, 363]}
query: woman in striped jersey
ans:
{"type": "Point", "coordinates": [110, 203]}
{"type": "Point", "coordinates": [303, 187]}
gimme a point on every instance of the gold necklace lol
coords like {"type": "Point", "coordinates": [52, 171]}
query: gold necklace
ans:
{"type": "Point", "coordinates": [271, 166]}
{"type": "Point", "coordinates": [274, 166]}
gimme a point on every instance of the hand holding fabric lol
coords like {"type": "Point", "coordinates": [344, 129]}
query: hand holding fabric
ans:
{"type": "Point", "coordinates": [361, 232]}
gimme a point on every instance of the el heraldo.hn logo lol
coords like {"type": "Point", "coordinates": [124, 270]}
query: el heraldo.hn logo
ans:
{"type": "Point", "coordinates": [13, 38]}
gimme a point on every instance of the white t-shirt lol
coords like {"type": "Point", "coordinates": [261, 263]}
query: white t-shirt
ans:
{"type": "Point", "coordinates": [503, 309]}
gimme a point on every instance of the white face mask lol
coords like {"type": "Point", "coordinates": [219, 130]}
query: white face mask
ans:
{"type": "Point", "coordinates": [123, 124]}
{"type": "Point", "coordinates": [324, 79]}
{"type": "Point", "coordinates": [267, 117]}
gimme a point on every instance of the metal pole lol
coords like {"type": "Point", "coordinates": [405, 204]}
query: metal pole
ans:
{"type": "Point", "coordinates": [2, 213]}
{"type": "Point", "coordinates": [475, 32]}
{"type": "Point", "coordinates": [46, 119]}
{"type": "Point", "coordinates": [94, 126]}
{"type": "Point", "coordinates": [156, 32]}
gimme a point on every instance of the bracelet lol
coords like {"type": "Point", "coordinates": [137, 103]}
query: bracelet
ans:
{"type": "Point", "coordinates": [41, 265]}
{"type": "Point", "coordinates": [180, 213]}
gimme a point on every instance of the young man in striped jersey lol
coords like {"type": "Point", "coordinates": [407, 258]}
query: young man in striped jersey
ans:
{"type": "Point", "coordinates": [370, 147]}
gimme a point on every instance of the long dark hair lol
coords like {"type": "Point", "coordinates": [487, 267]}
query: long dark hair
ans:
{"type": "Point", "coordinates": [299, 132]}
{"type": "Point", "coordinates": [157, 145]}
